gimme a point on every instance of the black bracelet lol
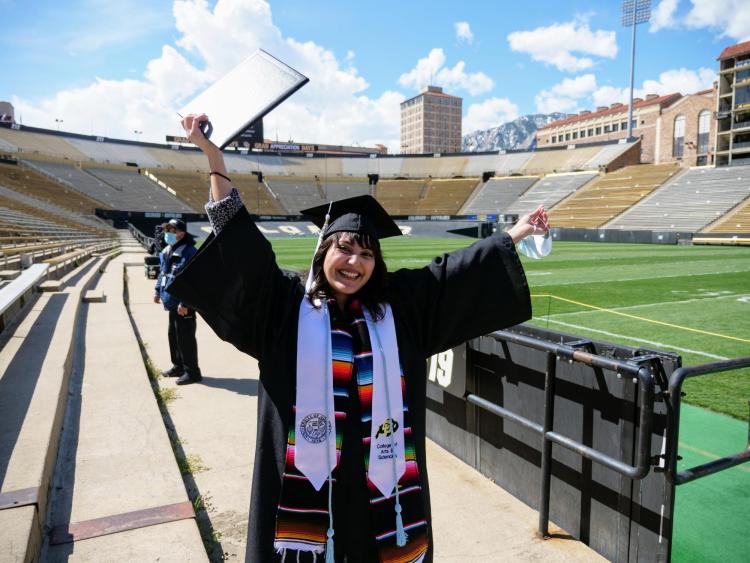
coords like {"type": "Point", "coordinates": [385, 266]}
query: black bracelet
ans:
{"type": "Point", "coordinates": [220, 174]}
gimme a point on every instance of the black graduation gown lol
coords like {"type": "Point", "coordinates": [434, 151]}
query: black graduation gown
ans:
{"type": "Point", "coordinates": [236, 286]}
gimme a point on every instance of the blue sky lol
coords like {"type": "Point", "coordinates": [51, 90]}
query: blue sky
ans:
{"type": "Point", "coordinates": [111, 68]}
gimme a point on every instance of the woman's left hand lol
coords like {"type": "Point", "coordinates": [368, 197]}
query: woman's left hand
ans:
{"type": "Point", "coordinates": [534, 223]}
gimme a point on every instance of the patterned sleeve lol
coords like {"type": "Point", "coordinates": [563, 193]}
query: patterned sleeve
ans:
{"type": "Point", "coordinates": [220, 212]}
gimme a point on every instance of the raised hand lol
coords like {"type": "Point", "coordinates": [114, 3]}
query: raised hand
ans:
{"type": "Point", "coordinates": [191, 125]}
{"type": "Point", "coordinates": [534, 223]}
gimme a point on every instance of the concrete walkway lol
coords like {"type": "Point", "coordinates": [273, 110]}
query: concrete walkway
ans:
{"type": "Point", "coordinates": [474, 520]}
{"type": "Point", "coordinates": [115, 469]}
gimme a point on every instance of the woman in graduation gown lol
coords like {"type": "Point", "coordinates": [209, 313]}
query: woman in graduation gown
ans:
{"type": "Point", "coordinates": [335, 507]}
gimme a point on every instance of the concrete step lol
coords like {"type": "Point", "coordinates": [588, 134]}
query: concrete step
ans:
{"type": "Point", "coordinates": [35, 363]}
{"type": "Point", "coordinates": [116, 472]}
{"type": "Point", "coordinates": [94, 296]}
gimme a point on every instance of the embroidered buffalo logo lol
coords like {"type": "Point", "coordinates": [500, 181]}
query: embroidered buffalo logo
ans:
{"type": "Point", "coordinates": [315, 427]}
{"type": "Point", "coordinates": [387, 428]}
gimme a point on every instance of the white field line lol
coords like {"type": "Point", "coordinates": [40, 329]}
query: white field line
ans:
{"type": "Point", "coordinates": [646, 305]}
{"type": "Point", "coordinates": [652, 277]}
{"type": "Point", "coordinates": [640, 340]}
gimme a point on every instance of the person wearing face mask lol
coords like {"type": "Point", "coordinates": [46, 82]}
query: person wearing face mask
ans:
{"type": "Point", "coordinates": [183, 349]}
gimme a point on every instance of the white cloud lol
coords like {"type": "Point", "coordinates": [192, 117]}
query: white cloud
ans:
{"type": "Point", "coordinates": [730, 17]}
{"type": "Point", "coordinates": [664, 15]}
{"type": "Point", "coordinates": [430, 71]}
{"type": "Point", "coordinates": [607, 95]}
{"type": "Point", "coordinates": [565, 95]}
{"type": "Point", "coordinates": [489, 113]}
{"type": "Point", "coordinates": [463, 32]}
{"type": "Point", "coordinates": [679, 80]}
{"type": "Point", "coordinates": [555, 44]}
{"type": "Point", "coordinates": [332, 108]}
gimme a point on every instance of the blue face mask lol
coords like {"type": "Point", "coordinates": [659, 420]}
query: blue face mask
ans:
{"type": "Point", "coordinates": [170, 238]}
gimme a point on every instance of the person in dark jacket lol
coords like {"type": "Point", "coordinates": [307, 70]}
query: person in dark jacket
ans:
{"type": "Point", "coordinates": [183, 349]}
{"type": "Point", "coordinates": [340, 469]}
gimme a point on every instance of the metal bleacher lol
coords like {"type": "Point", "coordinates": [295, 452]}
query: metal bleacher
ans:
{"type": "Point", "coordinates": [690, 201]}
{"type": "Point", "coordinates": [79, 220]}
{"type": "Point", "coordinates": [296, 194]}
{"type": "Point", "coordinates": [116, 153]}
{"type": "Point", "coordinates": [346, 187]}
{"type": "Point", "coordinates": [550, 190]}
{"type": "Point", "coordinates": [606, 197]}
{"type": "Point", "coordinates": [134, 192]}
{"type": "Point", "coordinates": [499, 194]}
{"type": "Point", "coordinates": [564, 160]}
{"type": "Point", "coordinates": [606, 155]}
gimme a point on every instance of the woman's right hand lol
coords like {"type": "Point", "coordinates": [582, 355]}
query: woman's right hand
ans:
{"type": "Point", "coordinates": [191, 125]}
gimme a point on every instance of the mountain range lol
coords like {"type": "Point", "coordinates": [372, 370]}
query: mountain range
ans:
{"type": "Point", "coordinates": [517, 134]}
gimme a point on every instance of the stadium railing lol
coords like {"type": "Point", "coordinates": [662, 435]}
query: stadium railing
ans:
{"type": "Point", "coordinates": [674, 395]}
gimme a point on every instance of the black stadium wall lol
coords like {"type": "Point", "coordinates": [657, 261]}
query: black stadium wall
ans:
{"type": "Point", "coordinates": [623, 519]}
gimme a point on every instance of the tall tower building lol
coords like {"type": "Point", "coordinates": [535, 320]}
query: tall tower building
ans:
{"type": "Point", "coordinates": [431, 122]}
{"type": "Point", "coordinates": [733, 106]}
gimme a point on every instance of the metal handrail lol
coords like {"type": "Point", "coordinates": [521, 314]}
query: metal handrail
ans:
{"type": "Point", "coordinates": [555, 353]}
{"type": "Point", "coordinates": [673, 425]}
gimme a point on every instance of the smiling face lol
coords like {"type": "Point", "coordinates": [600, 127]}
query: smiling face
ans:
{"type": "Point", "coordinates": [347, 267]}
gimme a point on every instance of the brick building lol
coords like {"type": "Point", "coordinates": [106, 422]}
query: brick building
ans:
{"type": "Point", "coordinates": [686, 130]}
{"type": "Point", "coordinates": [672, 128]}
{"type": "Point", "coordinates": [431, 122]}
{"type": "Point", "coordinates": [733, 106]}
{"type": "Point", "coordinates": [609, 124]}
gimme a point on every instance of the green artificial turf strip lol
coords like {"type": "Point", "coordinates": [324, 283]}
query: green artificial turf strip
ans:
{"type": "Point", "coordinates": [711, 514]}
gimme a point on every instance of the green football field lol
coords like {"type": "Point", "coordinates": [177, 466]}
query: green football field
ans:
{"type": "Point", "coordinates": [694, 301]}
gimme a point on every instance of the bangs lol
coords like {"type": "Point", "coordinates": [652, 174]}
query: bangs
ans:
{"type": "Point", "coordinates": [363, 240]}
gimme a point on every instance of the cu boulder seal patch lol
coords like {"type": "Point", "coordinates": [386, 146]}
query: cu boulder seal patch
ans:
{"type": "Point", "coordinates": [315, 427]}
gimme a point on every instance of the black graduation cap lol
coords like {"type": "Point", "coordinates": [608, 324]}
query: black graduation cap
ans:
{"type": "Point", "coordinates": [361, 214]}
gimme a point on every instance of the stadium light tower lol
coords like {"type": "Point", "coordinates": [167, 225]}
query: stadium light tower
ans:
{"type": "Point", "coordinates": [58, 121]}
{"type": "Point", "coordinates": [137, 134]}
{"type": "Point", "coordinates": [633, 13]}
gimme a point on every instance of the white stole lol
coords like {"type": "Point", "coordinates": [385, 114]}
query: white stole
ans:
{"type": "Point", "coordinates": [314, 421]}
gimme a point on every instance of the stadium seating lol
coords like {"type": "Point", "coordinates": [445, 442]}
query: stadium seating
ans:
{"type": "Point", "coordinates": [736, 221]}
{"type": "Point", "coordinates": [606, 155]}
{"type": "Point", "coordinates": [390, 167]}
{"type": "Point", "coordinates": [295, 193]}
{"type": "Point", "coordinates": [690, 201]}
{"type": "Point", "coordinates": [115, 153]}
{"type": "Point", "coordinates": [605, 198]}
{"type": "Point", "coordinates": [77, 219]}
{"type": "Point", "coordinates": [78, 179]}
{"type": "Point", "coordinates": [23, 180]}
{"type": "Point", "coordinates": [240, 163]}
{"type": "Point", "coordinates": [498, 194]}
{"type": "Point", "coordinates": [134, 192]}
{"type": "Point", "coordinates": [41, 144]}
{"type": "Point", "coordinates": [445, 197]}
{"type": "Point", "coordinates": [511, 164]}
{"type": "Point", "coordinates": [336, 189]}
{"type": "Point", "coordinates": [550, 190]}
{"type": "Point", "coordinates": [400, 197]}
{"type": "Point", "coordinates": [562, 160]}
{"type": "Point", "coordinates": [180, 159]}
{"type": "Point", "coordinates": [359, 166]}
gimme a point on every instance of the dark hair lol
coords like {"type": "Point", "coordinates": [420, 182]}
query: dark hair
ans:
{"type": "Point", "coordinates": [373, 294]}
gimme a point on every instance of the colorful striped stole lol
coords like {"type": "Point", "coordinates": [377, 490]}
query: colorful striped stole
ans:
{"type": "Point", "coordinates": [302, 515]}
